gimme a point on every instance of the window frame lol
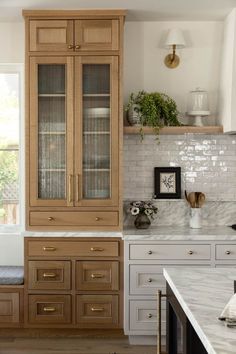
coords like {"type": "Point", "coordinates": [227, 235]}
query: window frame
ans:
{"type": "Point", "coordinates": [18, 68]}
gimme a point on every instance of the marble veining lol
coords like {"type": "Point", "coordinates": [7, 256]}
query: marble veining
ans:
{"type": "Point", "coordinates": [203, 293]}
{"type": "Point", "coordinates": [171, 233]}
{"type": "Point", "coordinates": [71, 234]}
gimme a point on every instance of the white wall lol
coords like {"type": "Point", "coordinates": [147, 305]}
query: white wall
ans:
{"type": "Point", "coordinates": [199, 61]}
{"type": "Point", "coordinates": [12, 42]}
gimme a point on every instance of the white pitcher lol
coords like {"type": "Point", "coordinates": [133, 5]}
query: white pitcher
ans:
{"type": "Point", "coordinates": [195, 218]}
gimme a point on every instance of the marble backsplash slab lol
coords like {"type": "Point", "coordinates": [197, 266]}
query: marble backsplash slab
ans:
{"type": "Point", "coordinates": [177, 213]}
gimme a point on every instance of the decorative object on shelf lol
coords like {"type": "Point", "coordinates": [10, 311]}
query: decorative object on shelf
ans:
{"type": "Point", "coordinates": [174, 40]}
{"type": "Point", "coordinates": [134, 115]}
{"type": "Point", "coordinates": [167, 182]}
{"type": "Point", "coordinates": [144, 211]}
{"type": "Point", "coordinates": [196, 201]}
{"type": "Point", "coordinates": [153, 109]}
{"type": "Point", "coordinates": [198, 105]}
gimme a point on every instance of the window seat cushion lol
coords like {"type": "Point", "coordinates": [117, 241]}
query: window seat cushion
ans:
{"type": "Point", "coordinates": [11, 275]}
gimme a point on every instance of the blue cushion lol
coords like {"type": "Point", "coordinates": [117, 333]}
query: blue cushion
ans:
{"type": "Point", "coordinates": [11, 275]}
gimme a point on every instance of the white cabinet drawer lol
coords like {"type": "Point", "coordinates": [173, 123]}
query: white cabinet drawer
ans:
{"type": "Point", "coordinates": [143, 316]}
{"type": "Point", "coordinates": [146, 279]}
{"type": "Point", "coordinates": [170, 252]}
{"type": "Point", "coordinates": [226, 252]}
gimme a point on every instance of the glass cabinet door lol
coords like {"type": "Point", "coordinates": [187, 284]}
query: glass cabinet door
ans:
{"type": "Point", "coordinates": [97, 131]}
{"type": "Point", "coordinates": [51, 135]}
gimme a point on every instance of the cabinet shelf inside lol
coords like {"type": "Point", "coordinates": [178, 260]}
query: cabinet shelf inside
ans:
{"type": "Point", "coordinates": [52, 169]}
{"type": "Point", "coordinates": [51, 94]}
{"type": "Point", "coordinates": [96, 133]}
{"type": "Point", "coordinates": [96, 95]}
{"type": "Point", "coordinates": [52, 133]}
{"type": "Point", "coordinates": [96, 169]}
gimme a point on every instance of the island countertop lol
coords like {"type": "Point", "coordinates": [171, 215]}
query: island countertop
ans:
{"type": "Point", "coordinates": [202, 294]}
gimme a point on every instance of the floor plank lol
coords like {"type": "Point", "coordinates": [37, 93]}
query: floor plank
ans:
{"type": "Point", "coordinates": [102, 345]}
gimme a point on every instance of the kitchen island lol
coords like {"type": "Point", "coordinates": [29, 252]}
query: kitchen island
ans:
{"type": "Point", "coordinates": [202, 295]}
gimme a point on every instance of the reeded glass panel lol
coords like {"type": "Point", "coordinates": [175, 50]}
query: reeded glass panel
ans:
{"type": "Point", "coordinates": [52, 131]}
{"type": "Point", "coordinates": [96, 131]}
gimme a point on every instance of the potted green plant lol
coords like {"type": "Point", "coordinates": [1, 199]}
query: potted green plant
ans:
{"type": "Point", "coordinates": [153, 109]}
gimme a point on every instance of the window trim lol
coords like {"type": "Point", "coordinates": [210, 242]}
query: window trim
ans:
{"type": "Point", "coordinates": [18, 68]}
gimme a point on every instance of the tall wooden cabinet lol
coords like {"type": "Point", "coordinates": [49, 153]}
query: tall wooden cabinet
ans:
{"type": "Point", "coordinates": [74, 119]}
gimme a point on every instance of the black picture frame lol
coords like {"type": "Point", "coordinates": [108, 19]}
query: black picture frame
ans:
{"type": "Point", "coordinates": [172, 188]}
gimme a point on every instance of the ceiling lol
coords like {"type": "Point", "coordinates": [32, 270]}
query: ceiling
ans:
{"type": "Point", "coordinates": [138, 10]}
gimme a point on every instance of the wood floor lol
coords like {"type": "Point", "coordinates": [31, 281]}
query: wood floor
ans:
{"type": "Point", "coordinates": [82, 345]}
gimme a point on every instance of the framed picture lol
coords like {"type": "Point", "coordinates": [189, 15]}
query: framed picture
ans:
{"type": "Point", "coordinates": [167, 182]}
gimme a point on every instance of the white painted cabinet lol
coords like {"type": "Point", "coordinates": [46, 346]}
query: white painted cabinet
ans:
{"type": "Point", "coordinates": [144, 263]}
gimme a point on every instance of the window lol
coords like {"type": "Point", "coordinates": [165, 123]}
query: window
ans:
{"type": "Point", "coordinates": [9, 144]}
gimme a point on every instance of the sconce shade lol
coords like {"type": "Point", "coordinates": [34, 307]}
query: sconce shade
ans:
{"type": "Point", "coordinates": [175, 37]}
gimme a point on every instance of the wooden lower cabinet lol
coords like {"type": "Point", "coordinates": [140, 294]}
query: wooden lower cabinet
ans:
{"type": "Point", "coordinates": [73, 282]}
{"type": "Point", "coordinates": [97, 309]}
{"type": "Point", "coordinates": [11, 306]}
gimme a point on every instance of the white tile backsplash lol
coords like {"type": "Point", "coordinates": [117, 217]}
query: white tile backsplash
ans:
{"type": "Point", "coordinates": [208, 165]}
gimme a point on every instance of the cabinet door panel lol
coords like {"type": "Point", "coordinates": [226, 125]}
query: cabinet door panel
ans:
{"type": "Point", "coordinates": [50, 35]}
{"type": "Point", "coordinates": [50, 131]}
{"type": "Point", "coordinates": [97, 34]}
{"type": "Point", "coordinates": [96, 119]}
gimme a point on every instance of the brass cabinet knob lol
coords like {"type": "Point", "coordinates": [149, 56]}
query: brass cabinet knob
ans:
{"type": "Point", "coordinates": [50, 218]}
{"type": "Point", "coordinates": [149, 280]}
{"type": "Point", "coordinates": [97, 218]}
{"type": "Point", "coordinates": [149, 315]}
{"type": "Point", "coordinates": [77, 46]}
{"type": "Point", "coordinates": [150, 252]}
{"type": "Point", "coordinates": [190, 252]}
{"type": "Point", "coordinates": [49, 309]}
{"type": "Point", "coordinates": [227, 252]}
{"type": "Point", "coordinates": [70, 46]}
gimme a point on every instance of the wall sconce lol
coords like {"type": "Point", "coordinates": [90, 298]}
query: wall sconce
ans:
{"type": "Point", "coordinates": [174, 40]}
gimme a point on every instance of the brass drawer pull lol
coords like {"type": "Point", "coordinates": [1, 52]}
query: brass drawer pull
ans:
{"type": "Point", "coordinates": [97, 218]}
{"type": "Point", "coordinates": [49, 309]}
{"type": "Point", "coordinates": [70, 46]}
{"type": "Point", "coordinates": [97, 309]}
{"type": "Point", "coordinates": [96, 249]}
{"type": "Point", "coordinates": [77, 46]}
{"type": "Point", "coordinates": [70, 188]}
{"type": "Point", "coordinates": [97, 275]}
{"type": "Point", "coordinates": [227, 252]}
{"type": "Point", "coordinates": [77, 187]}
{"type": "Point", "coordinates": [49, 275]}
{"type": "Point", "coordinates": [190, 252]}
{"type": "Point", "coordinates": [150, 315]}
{"type": "Point", "coordinates": [50, 218]}
{"type": "Point", "coordinates": [149, 280]}
{"type": "Point", "coordinates": [150, 252]}
{"type": "Point", "coordinates": [50, 249]}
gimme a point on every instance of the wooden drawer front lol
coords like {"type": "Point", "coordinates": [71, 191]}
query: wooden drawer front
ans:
{"type": "Point", "coordinates": [45, 275]}
{"type": "Point", "coordinates": [143, 315]}
{"type": "Point", "coordinates": [50, 309]}
{"type": "Point", "coordinates": [97, 34]}
{"type": "Point", "coordinates": [226, 252]}
{"type": "Point", "coordinates": [74, 218]}
{"type": "Point", "coordinates": [146, 279]}
{"type": "Point", "coordinates": [170, 252]}
{"type": "Point", "coordinates": [50, 35]}
{"type": "Point", "coordinates": [9, 308]}
{"type": "Point", "coordinates": [95, 309]}
{"type": "Point", "coordinates": [97, 275]}
{"type": "Point", "coordinates": [74, 248]}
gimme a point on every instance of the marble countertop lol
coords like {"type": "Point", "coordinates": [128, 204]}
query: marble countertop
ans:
{"type": "Point", "coordinates": [72, 234]}
{"type": "Point", "coordinates": [171, 233]}
{"type": "Point", "coordinates": [203, 293]}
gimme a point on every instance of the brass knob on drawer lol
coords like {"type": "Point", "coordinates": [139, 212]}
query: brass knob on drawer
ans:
{"type": "Point", "coordinates": [150, 252]}
{"type": "Point", "coordinates": [97, 218]}
{"type": "Point", "coordinates": [49, 309]}
{"type": "Point", "coordinates": [190, 252]}
{"type": "Point", "coordinates": [49, 275]}
{"type": "Point", "coordinates": [97, 275]}
{"type": "Point", "coordinates": [149, 315]}
{"type": "Point", "coordinates": [50, 249]}
{"type": "Point", "coordinates": [50, 218]}
{"type": "Point", "coordinates": [97, 309]}
{"type": "Point", "coordinates": [96, 249]}
{"type": "Point", "coordinates": [227, 252]}
{"type": "Point", "coordinates": [70, 46]}
{"type": "Point", "coordinates": [77, 46]}
{"type": "Point", "coordinates": [149, 280]}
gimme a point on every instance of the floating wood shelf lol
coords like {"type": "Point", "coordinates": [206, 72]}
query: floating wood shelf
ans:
{"type": "Point", "coordinates": [215, 129]}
